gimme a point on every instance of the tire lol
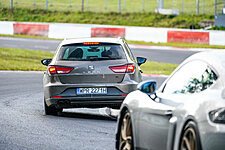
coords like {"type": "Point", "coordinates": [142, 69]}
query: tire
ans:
{"type": "Point", "coordinates": [51, 110]}
{"type": "Point", "coordinates": [190, 139]}
{"type": "Point", "coordinates": [125, 135]}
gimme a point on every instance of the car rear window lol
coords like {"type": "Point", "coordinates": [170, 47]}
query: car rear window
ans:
{"type": "Point", "coordinates": [91, 51]}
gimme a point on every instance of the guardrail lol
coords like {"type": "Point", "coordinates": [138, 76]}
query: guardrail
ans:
{"type": "Point", "coordinates": [148, 34]}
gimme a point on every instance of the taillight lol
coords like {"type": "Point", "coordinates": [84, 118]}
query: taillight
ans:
{"type": "Point", "coordinates": [123, 69]}
{"type": "Point", "coordinates": [59, 70]}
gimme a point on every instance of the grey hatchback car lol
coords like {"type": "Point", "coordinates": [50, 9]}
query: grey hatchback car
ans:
{"type": "Point", "coordinates": [90, 72]}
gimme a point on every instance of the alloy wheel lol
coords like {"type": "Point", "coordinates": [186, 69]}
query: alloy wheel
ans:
{"type": "Point", "coordinates": [126, 133]}
{"type": "Point", "coordinates": [189, 140]}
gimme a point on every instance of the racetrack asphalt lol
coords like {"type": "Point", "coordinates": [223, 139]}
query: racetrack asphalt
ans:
{"type": "Point", "coordinates": [154, 53]}
{"type": "Point", "coordinates": [24, 127]}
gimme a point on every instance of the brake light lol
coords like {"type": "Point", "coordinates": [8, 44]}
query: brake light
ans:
{"type": "Point", "coordinates": [123, 69]}
{"type": "Point", "coordinates": [90, 43]}
{"type": "Point", "coordinates": [59, 70]}
{"type": "Point", "coordinates": [130, 68]}
{"type": "Point", "coordinates": [57, 97]}
{"type": "Point", "coordinates": [52, 70]}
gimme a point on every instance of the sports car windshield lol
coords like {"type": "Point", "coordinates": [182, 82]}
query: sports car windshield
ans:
{"type": "Point", "coordinates": [91, 52]}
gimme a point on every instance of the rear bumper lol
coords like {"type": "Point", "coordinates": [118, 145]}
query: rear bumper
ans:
{"type": "Point", "coordinates": [88, 102]}
{"type": "Point", "coordinates": [71, 99]}
{"type": "Point", "coordinates": [53, 89]}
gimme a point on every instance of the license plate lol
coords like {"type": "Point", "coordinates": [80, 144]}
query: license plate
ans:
{"type": "Point", "coordinates": [91, 90]}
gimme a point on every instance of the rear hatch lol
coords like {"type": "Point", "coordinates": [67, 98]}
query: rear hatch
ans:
{"type": "Point", "coordinates": [91, 72]}
{"type": "Point", "coordinates": [91, 63]}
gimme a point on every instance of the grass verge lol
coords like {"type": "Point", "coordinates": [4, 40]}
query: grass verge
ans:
{"type": "Point", "coordinates": [183, 45]}
{"type": "Point", "coordinates": [20, 59]}
{"type": "Point", "coordinates": [146, 19]}
{"type": "Point", "coordinates": [158, 68]}
{"type": "Point", "coordinates": [27, 60]}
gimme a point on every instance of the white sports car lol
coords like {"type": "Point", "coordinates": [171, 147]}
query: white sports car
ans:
{"type": "Point", "coordinates": [186, 113]}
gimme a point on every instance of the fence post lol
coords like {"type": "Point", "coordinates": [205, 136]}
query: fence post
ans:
{"type": "Point", "coordinates": [157, 4]}
{"type": "Point", "coordinates": [125, 5]}
{"type": "Point", "coordinates": [197, 7]}
{"type": "Point", "coordinates": [11, 4]}
{"type": "Point", "coordinates": [215, 7]}
{"type": "Point", "coordinates": [182, 6]}
{"type": "Point", "coordinates": [34, 3]}
{"type": "Point", "coordinates": [46, 4]}
{"type": "Point", "coordinates": [143, 5]}
{"type": "Point", "coordinates": [87, 4]}
{"type": "Point", "coordinates": [203, 6]}
{"type": "Point", "coordinates": [162, 3]}
{"type": "Point", "coordinates": [70, 4]}
{"type": "Point", "coordinates": [51, 3]}
{"type": "Point", "coordinates": [16, 1]}
{"type": "Point", "coordinates": [105, 4]}
{"type": "Point", "coordinates": [119, 9]}
{"type": "Point", "coordinates": [82, 5]}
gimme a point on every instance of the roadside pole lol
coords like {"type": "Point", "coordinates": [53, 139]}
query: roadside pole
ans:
{"type": "Point", "coordinates": [12, 4]}
{"type": "Point", "coordinates": [215, 7]}
{"type": "Point", "coordinates": [203, 6]}
{"type": "Point", "coordinates": [46, 4]}
{"type": "Point", "coordinates": [197, 7]}
{"type": "Point", "coordinates": [70, 4]}
{"type": "Point", "coordinates": [87, 4]}
{"type": "Point", "coordinates": [182, 6]}
{"type": "Point", "coordinates": [157, 5]}
{"type": "Point", "coordinates": [105, 4]}
{"type": "Point", "coordinates": [143, 5]}
{"type": "Point", "coordinates": [119, 9]}
{"type": "Point", "coordinates": [162, 3]}
{"type": "Point", "coordinates": [82, 5]}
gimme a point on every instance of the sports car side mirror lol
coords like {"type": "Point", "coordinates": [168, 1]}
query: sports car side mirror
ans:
{"type": "Point", "coordinates": [46, 62]}
{"type": "Point", "coordinates": [141, 60]}
{"type": "Point", "coordinates": [148, 87]}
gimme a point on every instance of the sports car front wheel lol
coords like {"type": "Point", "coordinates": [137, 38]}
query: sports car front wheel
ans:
{"type": "Point", "coordinates": [125, 137]}
{"type": "Point", "coordinates": [190, 138]}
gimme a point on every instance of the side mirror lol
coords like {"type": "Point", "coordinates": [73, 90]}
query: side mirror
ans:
{"type": "Point", "coordinates": [46, 62]}
{"type": "Point", "coordinates": [148, 87]}
{"type": "Point", "coordinates": [141, 60]}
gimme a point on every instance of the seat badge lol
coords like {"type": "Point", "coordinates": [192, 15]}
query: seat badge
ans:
{"type": "Point", "coordinates": [91, 68]}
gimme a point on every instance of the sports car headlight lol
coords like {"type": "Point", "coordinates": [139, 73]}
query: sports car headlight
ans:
{"type": "Point", "coordinates": [217, 116]}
